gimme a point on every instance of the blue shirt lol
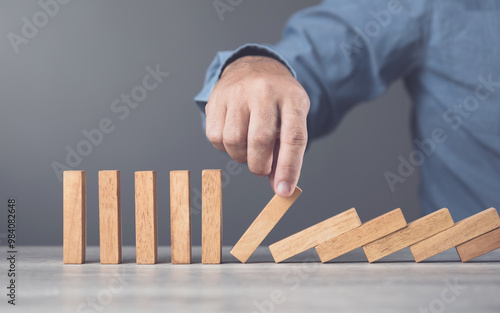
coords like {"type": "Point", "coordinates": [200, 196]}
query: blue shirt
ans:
{"type": "Point", "coordinates": [448, 55]}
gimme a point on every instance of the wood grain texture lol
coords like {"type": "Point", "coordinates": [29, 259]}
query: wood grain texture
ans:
{"type": "Point", "coordinates": [461, 232]}
{"type": "Point", "coordinates": [263, 225]}
{"type": "Point", "coordinates": [314, 235]}
{"type": "Point", "coordinates": [480, 245]}
{"type": "Point", "coordinates": [364, 234]}
{"type": "Point", "coordinates": [110, 217]}
{"type": "Point", "coordinates": [180, 217]}
{"type": "Point", "coordinates": [75, 217]}
{"type": "Point", "coordinates": [211, 217]}
{"type": "Point", "coordinates": [146, 222]}
{"type": "Point", "coordinates": [416, 231]}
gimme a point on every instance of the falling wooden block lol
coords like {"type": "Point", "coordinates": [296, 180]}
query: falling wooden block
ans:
{"type": "Point", "coordinates": [480, 245]}
{"type": "Point", "coordinates": [461, 232]}
{"type": "Point", "coordinates": [314, 235]}
{"type": "Point", "coordinates": [180, 217]}
{"type": "Point", "coordinates": [146, 223]}
{"type": "Point", "coordinates": [211, 217]}
{"type": "Point", "coordinates": [263, 225]}
{"type": "Point", "coordinates": [416, 231]}
{"type": "Point", "coordinates": [110, 217]}
{"type": "Point", "coordinates": [364, 234]}
{"type": "Point", "coordinates": [75, 217]}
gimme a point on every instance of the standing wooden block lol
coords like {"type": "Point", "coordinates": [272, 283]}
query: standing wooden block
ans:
{"type": "Point", "coordinates": [416, 231]}
{"type": "Point", "coordinates": [364, 234]}
{"type": "Point", "coordinates": [75, 217]}
{"type": "Point", "coordinates": [180, 217]}
{"type": "Point", "coordinates": [478, 246]}
{"type": "Point", "coordinates": [461, 232]}
{"type": "Point", "coordinates": [146, 224]}
{"type": "Point", "coordinates": [110, 217]}
{"type": "Point", "coordinates": [263, 225]}
{"type": "Point", "coordinates": [211, 217]}
{"type": "Point", "coordinates": [314, 235]}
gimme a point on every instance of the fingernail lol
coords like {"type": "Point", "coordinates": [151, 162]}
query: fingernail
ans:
{"type": "Point", "coordinates": [283, 189]}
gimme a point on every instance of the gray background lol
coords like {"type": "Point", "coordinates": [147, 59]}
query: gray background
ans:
{"type": "Point", "coordinates": [64, 80]}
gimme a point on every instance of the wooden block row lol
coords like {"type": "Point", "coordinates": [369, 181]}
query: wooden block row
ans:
{"type": "Point", "coordinates": [146, 220]}
{"type": "Point", "coordinates": [384, 235]}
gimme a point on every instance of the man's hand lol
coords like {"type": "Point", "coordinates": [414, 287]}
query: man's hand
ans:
{"type": "Point", "coordinates": [257, 114]}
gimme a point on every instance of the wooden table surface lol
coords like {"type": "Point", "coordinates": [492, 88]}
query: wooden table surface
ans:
{"type": "Point", "coordinates": [348, 284]}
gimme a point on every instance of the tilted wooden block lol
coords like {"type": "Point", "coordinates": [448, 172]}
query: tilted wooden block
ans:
{"type": "Point", "coordinates": [180, 217]}
{"type": "Point", "coordinates": [211, 217]}
{"type": "Point", "coordinates": [314, 235]}
{"type": "Point", "coordinates": [110, 217]}
{"type": "Point", "coordinates": [146, 222]}
{"type": "Point", "coordinates": [362, 235]}
{"type": "Point", "coordinates": [263, 225]}
{"type": "Point", "coordinates": [416, 231]}
{"type": "Point", "coordinates": [461, 232]}
{"type": "Point", "coordinates": [75, 217]}
{"type": "Point", "coordinates": [480, 245]}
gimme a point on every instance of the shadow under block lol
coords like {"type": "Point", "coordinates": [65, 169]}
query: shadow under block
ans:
{"type": "Point", "coordinates": [263, 225]}
{"type": "Point", "coordinates": [461, 232]}
{"type": "Point", "coordinates": [146, 222]}
{"type": "Point", "coordinates": [211, 217]}
{"type": "Point", "coordinates": [480, 245]}
{"type": "Point", "coordinates": [416, 231]}
{"type": "Point", "coordinates": [362, 235]}
{"type": "Point", "coordinates": [75, 217]}
{"type": "Point", "coordinates": [180, 217]}
{"type": "Point", "coordinates": [314, 235]}
{"type": "Point", "coordinates": [110, 217]}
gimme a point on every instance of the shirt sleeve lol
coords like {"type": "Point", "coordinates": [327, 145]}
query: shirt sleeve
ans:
{"type": "Point", "coordinates": [342, 53]}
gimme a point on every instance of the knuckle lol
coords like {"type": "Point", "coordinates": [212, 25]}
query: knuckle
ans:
{"type": "Point", "coordinates": [301, 100]}
{"type": "Point", "coordinates": [262, 138]}
{"type": "Point", "coordinates": [263, 85]}
{"type": "Point", "coordinates": [301, 112]}
{"type": "Point", "coordinates": [259, 170]}
{"type": "Point", "coordinates": [209, 108]}
{"type": "Point", "coordinates": [295, 137]}
{"type": "Point", "coordinates": [234, 139]}
{"type": "Point", "coordinates": [238, 88]}
{"type": "Point", "coordinates": [269, 119]}
{"type": "Point", "coordinates": [289, 168]}
{"type": "Point", "coordinates": [214, 136]}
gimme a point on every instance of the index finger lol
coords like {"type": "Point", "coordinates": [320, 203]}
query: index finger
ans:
{"type": "Point", "coordinates": [293, 141]}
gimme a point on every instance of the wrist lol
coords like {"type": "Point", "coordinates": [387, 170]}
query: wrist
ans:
{"type": "Point", "coordinates": [257, 61]}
